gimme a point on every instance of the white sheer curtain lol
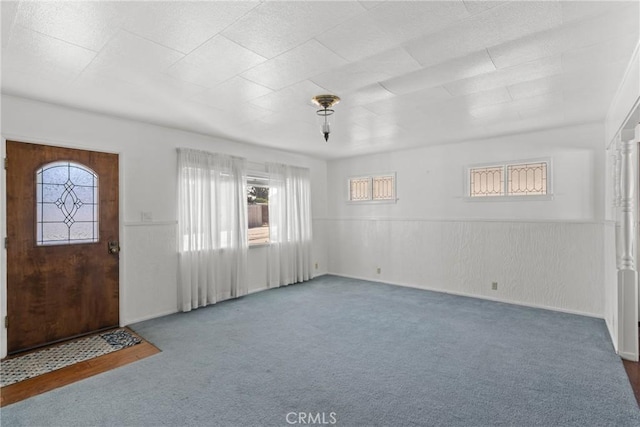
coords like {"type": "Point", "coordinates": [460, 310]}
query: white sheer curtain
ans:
{"type": "Point", "coordinates": [289, 259]}
{"type": "Point", "coordinates": [212, 227]}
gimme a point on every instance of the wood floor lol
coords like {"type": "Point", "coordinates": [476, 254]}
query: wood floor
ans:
{"type": "Point", "coordinates": [24, 389]}
{"type": "Point", "coordinates": [633, 372]}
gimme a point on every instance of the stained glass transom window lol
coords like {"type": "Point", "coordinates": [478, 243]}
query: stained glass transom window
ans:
{"type": "Point", "coordinates": [527, 179]}
{"type": "Point", "coordinates": [511, 179]}
{"type": "Point", "coordinates": [487, 181]}
{"type": "Point", "coordinates": [384, 187]}
{"type": "Point", "coordinates": [66, 204]}
{"type": "Point", "coordinates": [360, 189]}
{"type": "Point", "coordinates": [375, 188]}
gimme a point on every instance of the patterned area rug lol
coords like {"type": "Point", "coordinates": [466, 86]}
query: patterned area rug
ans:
{"type": "Point", "coordinates": [49, 359]}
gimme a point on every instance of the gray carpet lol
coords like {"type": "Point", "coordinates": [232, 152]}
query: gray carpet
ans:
{"type": "Point", "coordinates": [373, 354]}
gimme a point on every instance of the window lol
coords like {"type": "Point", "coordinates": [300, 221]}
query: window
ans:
{"type": "Point", "coordinates": [384, 187]}
{"type": "Point", "coordinates": [66, 204]}
{"type": "Point", "coordinates": [487, 182]}
{"type": "Point", "coordinates": [527, 179]}
{"type": "Point", "coordinates": [375, 188]}
{"type": "Point", "coordinates": [359, 189]}
{"type": "Point", "coordinates": [509, 179]}
{"type": "Point", "coordinates": [258, 210]}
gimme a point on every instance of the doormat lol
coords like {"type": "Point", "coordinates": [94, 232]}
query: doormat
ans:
{"type": "Point", "coordinates": [50, 359]}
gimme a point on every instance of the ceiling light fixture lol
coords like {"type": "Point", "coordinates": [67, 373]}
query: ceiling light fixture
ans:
{"type": "Point", "coordinates": [326, 102]}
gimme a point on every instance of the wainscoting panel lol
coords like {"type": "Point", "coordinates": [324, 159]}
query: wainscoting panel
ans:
{"type": "Point", "coordinates": [319, 251]}
{"type": "Point", "coordinates": [611, 281]}
{"type": "Point", "coordinates": [555, 265]}
{"type": "Point", "coordinates": [150, 259]}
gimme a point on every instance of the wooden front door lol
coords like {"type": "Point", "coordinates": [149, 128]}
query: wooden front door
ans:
{"type": "Point", "coordinates": [62, 247]}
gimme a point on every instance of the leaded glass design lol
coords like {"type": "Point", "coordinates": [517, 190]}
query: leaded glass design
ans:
{"type": "Point", "coordinates": [486, 181]}
{"type": "Point", "coordinates": [360, 189]}
{"type": "Point", "coordinates": [527, 179]}
{"type": "Point", "coordinates": [66, 204]}
{"type": "Point", "coordinates": [384, 187]}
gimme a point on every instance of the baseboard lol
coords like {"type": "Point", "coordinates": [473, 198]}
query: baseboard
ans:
{"type": "Point", "coordinates": [628, 356]}
{"type": "Point", "coordinates": [612, 336]}
{"type": "Point", "coordinates": [469, 295]}
{"type": "Point", "coordinates": [253, 291]}
{"type": "Point", "coordinates": [266, 288]}
{"type": "Point", "coordinates": [168, 312]}
{"type": "Point", "coordinates": [149, 317]}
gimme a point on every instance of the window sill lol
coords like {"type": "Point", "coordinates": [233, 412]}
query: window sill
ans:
{"type": "Point", "coordinates": [372, 202]}
{"type": "Point", "coordinates": [259, 245]}
{"type": "Point", "coordinates": [532, 198]}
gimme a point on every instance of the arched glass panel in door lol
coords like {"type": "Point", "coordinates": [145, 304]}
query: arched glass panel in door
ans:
{"type": "Point", "coordinates": [66, 204]}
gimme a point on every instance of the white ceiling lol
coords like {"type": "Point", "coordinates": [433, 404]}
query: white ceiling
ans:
{"type": "Point", "coordinates": [409, 73]}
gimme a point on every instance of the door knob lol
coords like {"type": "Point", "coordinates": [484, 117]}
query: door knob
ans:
{"type": "Point", "coordinates": [114, 247]}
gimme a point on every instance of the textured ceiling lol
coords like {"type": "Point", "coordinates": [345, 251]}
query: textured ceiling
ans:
{"type": "Point", "coordinates": [409, 73]}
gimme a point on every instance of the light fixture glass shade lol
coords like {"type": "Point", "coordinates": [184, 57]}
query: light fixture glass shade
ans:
{"type": "Point", "coordinates": [325, 114]}
{"type": "Point", "coordinates": [326, 120]}
{"type": "Point", "coordinates": [326, 127]}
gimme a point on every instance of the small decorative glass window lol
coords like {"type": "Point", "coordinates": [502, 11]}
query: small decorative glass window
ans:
{"type": "Point", "coordinates": [486, 181]}
{"type": "Point", "coordinates": [384, 187]}
{"type": "Point", "coordinates": [503, 181]}
{"type": "Point", "coordinates": [360, 189]}
{"type": "Point", "coordinates": [527, 179]}
{"type": "Point", "coordinates": [374, 188]}
{"type": "Point", "coordinates": [66, 204]}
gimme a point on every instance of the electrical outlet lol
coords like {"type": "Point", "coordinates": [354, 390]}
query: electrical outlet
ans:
{"type": "Point", "coordinates": [146, 216]}
{"type": "Point", "coordinates": [316, 265]}
{"type": "Point", "coordinates": [494, 286]}
{"type": "Point", "coordinates": [378, 270]}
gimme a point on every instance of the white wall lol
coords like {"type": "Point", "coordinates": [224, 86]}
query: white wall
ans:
{"type": "Point", "coordinates": [622, 118]}
{"type": "Point", "coordinates": [148, 164]}
{"type": "Point", "coordinates": [431, 180]}
{"type": "Point", "coordinates": [609, 246]}
{"type": "Point", "coordinates": [544, 253]}
{"type": "Point", "coordinates": [626, 100]}
{"type": "Point", "coordinates": [610, 282]}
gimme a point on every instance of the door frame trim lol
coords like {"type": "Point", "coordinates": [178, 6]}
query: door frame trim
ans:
{"type": "Point", "coordinates": [3, 221]}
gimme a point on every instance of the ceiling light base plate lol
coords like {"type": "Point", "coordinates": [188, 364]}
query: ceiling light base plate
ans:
{"type": "Point", "coordinates": [325, 101]}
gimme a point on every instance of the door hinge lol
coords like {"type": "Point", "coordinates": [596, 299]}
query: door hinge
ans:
{"type": "Point", "coordinates": [6, 242]}
{"type": "Point", "coordinates": [6, 321]}
{"type": "Point", "coordinates": [6, 162]}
